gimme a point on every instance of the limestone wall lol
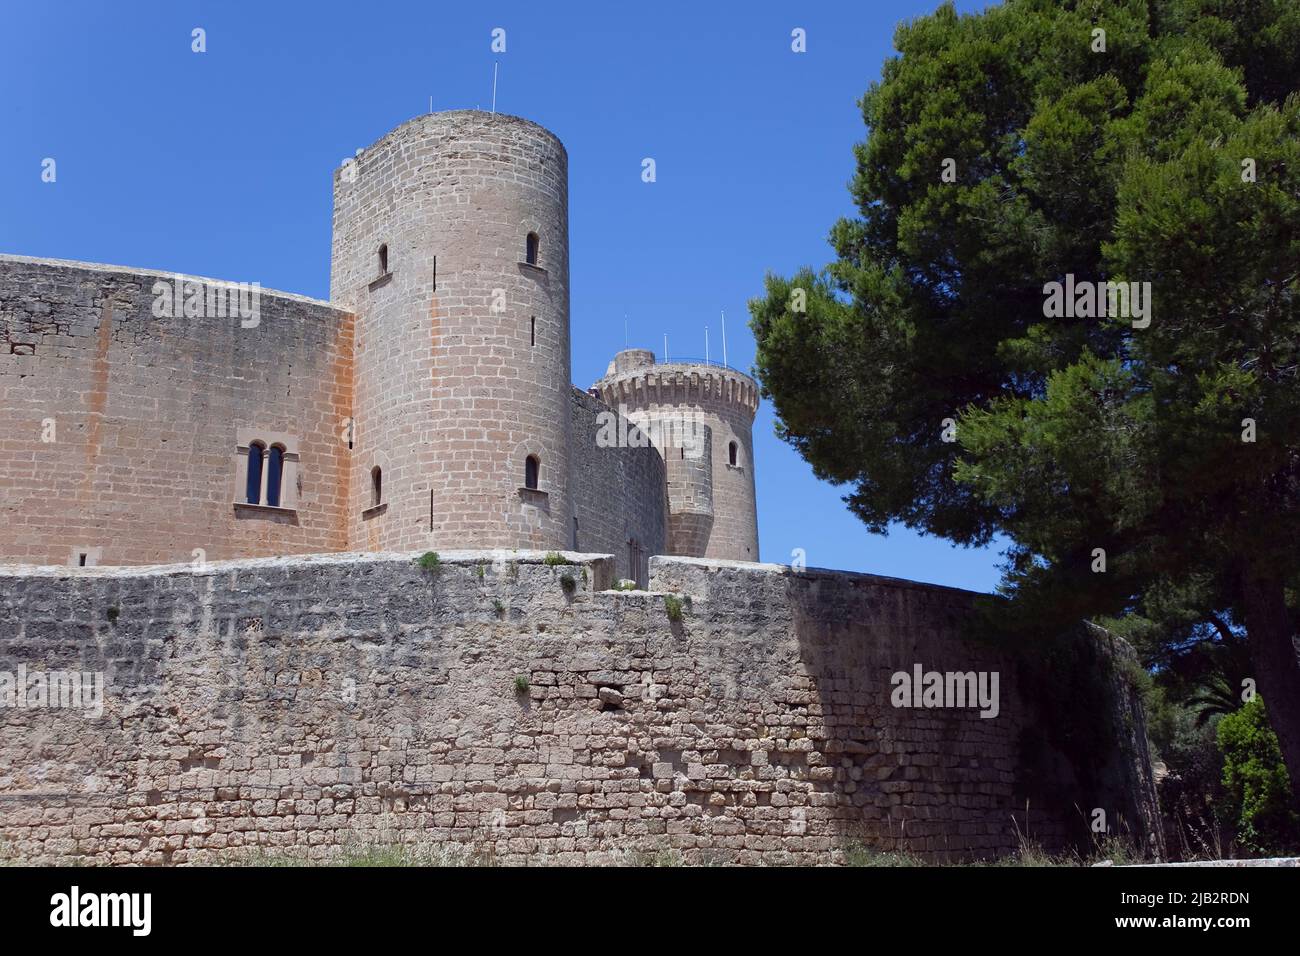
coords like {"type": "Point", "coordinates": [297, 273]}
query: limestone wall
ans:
{"type": "Point", "coordinates": [300, 704]}
{"type": "Point", "coordinates": [619, 495]}
{"type": "Point", "coordinates": [122, 428]}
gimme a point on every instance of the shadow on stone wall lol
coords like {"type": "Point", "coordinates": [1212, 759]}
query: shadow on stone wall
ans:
{"type": "Point", "coordinates": [1066, 750]}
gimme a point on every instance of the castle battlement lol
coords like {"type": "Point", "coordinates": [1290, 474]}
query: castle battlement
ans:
{"type": "Point", "coordinates": [682, 382]}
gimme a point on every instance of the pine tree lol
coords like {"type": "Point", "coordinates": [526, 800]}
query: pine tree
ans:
{"type": "Point", "coordinates": [1146, 467]}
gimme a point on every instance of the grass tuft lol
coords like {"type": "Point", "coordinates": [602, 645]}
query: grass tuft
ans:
{"type": "Point", "coordinates": [673, 606]}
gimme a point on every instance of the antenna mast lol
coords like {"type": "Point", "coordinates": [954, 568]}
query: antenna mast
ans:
{"type": "Point", "coordinates": [724, 336]}
{"type": "Point", "coordinates": [494, 87]}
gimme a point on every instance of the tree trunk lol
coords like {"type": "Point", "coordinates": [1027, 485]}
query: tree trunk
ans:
{"type": "Point", "coordinates": [1276, 665]}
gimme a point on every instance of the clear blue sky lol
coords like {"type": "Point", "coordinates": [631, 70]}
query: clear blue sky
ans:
{"type": "Point", "coordinates": [219, 164]}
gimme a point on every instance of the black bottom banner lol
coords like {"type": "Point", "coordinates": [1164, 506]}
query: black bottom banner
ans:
{"type": "Point", "coordinates": [201, 906]}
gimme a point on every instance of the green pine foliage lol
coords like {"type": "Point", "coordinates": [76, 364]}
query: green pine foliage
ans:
{"type": "Point", "coordinates": [1145, 468]}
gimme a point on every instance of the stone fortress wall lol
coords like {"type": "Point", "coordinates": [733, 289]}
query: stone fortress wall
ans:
{"type": "Point", "coordinates": [122, 428]}
{"type": "Point", "coordinates": [522, 710]}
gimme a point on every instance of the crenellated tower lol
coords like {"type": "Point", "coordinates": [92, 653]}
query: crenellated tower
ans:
{"type": "Point", "coordinates": [703, 415]}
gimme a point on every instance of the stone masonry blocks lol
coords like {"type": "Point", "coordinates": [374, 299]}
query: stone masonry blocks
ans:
{"type": "Point", "coordinates": [462, 359]}
{"type": "Point", "coordinates": [301, 705]}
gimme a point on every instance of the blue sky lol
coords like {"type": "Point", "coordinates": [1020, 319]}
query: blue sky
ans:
{"type": "Point", "coordinates": [219, 164]}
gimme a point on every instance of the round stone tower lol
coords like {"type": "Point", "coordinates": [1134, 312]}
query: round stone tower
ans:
{"type": "Point", "coordinates": [451, 247]}
{"type": "Point", "coordinates": [701, 417]}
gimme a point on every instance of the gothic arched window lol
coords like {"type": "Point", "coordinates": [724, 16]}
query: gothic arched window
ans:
{"type": "Point", "coordinates": [253, 487]}
{"type": "Point", "coordinates": [274, 471]}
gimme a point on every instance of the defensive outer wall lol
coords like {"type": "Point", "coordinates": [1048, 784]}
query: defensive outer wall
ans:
{"type": "Point", "coordinates": [516, 707]}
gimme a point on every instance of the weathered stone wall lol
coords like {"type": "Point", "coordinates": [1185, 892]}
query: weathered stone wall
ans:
{"type": "Point", "coordinates": [146, 415]}
{"type": "Point", "coordinates": [297, 705]}
{"type": "Point", "coordinates": [619, 495]}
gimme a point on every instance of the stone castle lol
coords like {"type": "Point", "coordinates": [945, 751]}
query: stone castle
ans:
{"type": "Point", "coordinates": [427, 405]}
{"type": "Point", "coordinates": [221, 635]}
